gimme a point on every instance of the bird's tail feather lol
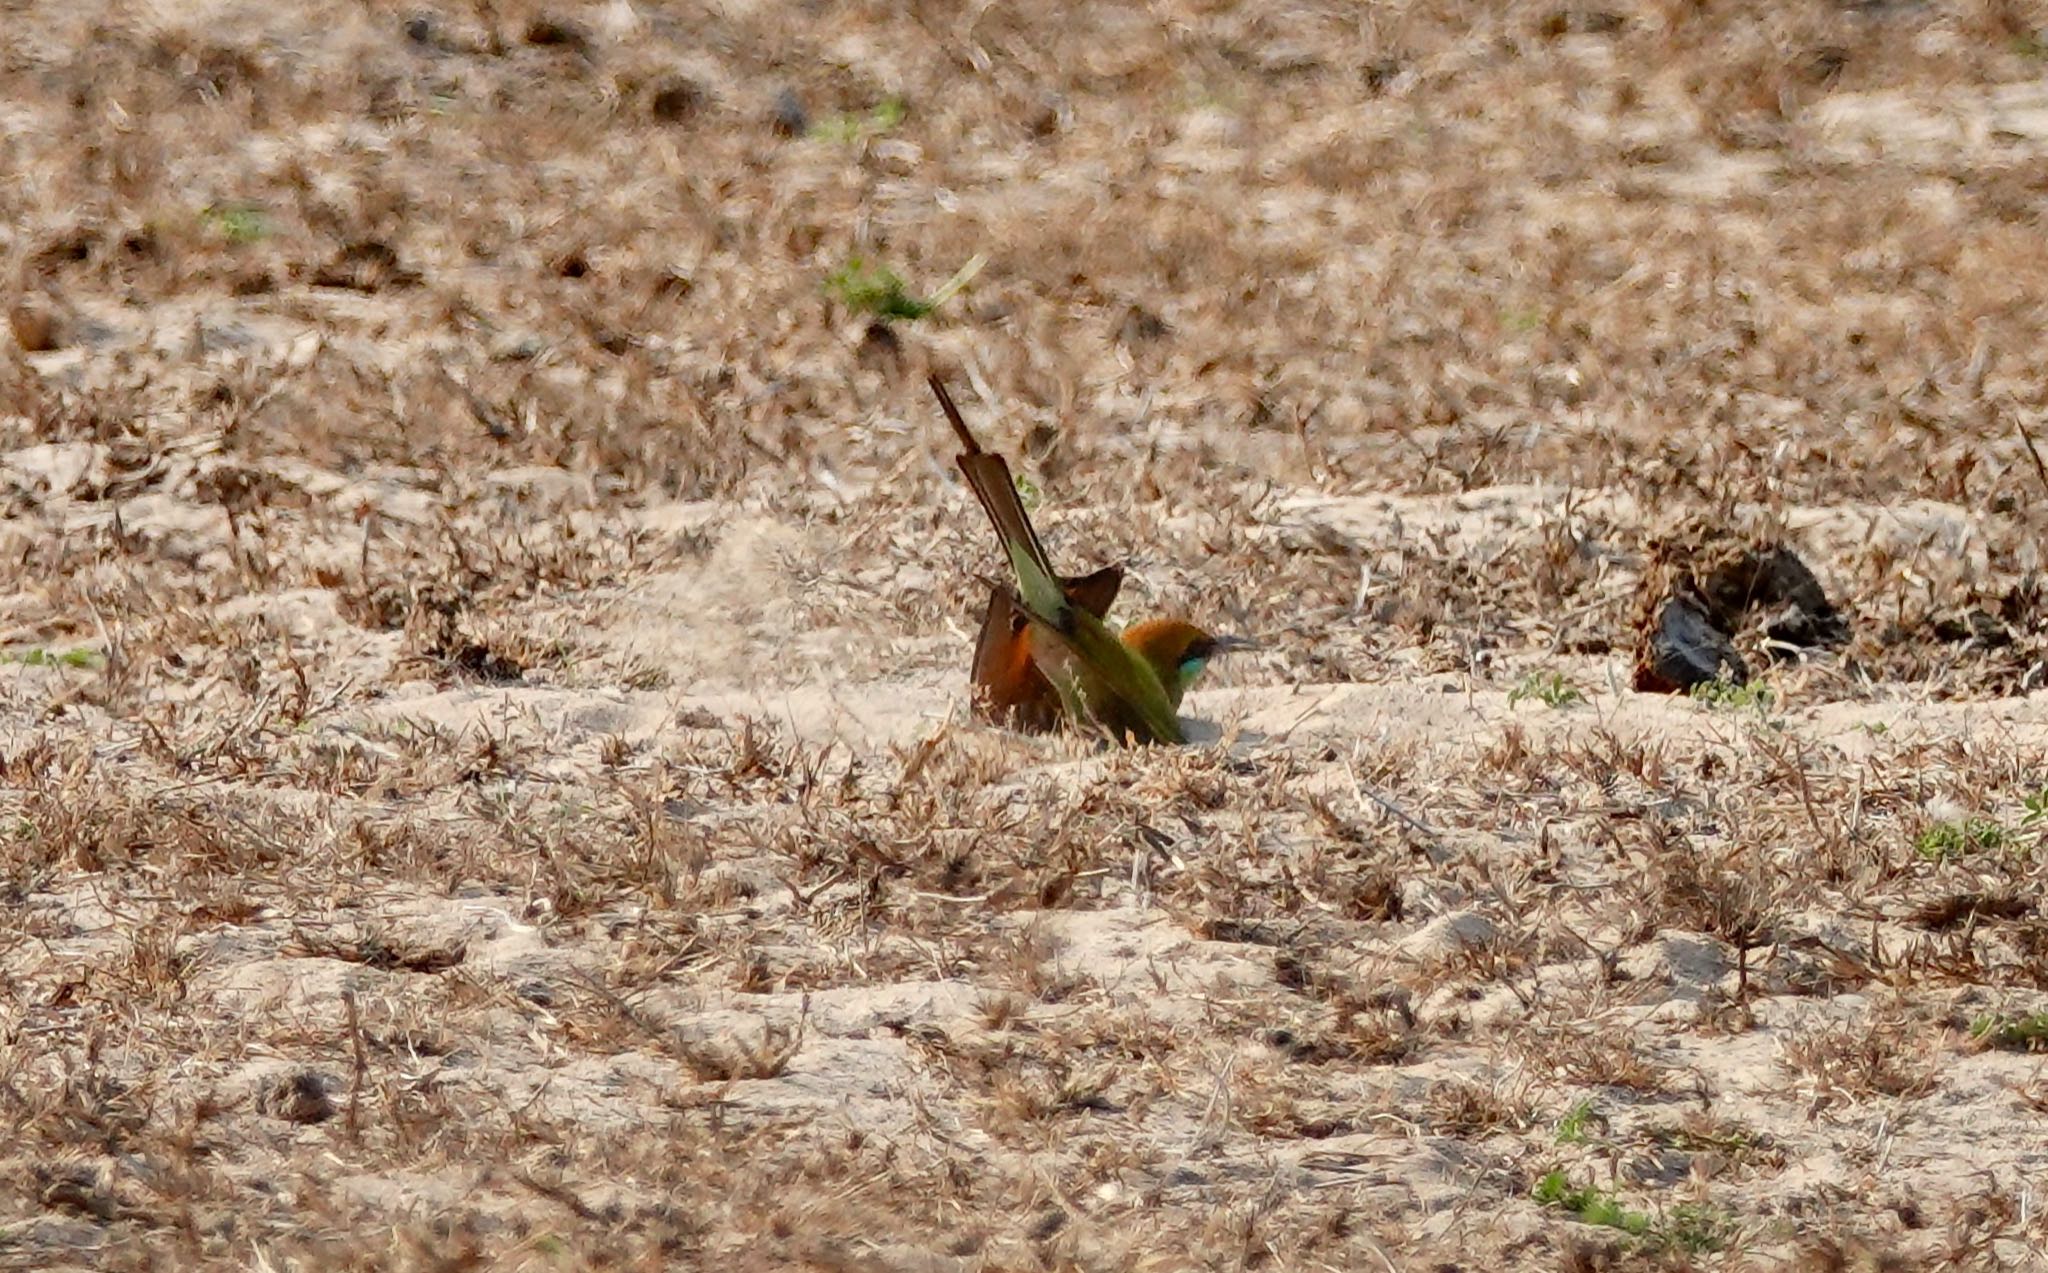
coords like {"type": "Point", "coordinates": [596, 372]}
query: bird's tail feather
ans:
{"type": "Point", "coordinates": [989, 475]}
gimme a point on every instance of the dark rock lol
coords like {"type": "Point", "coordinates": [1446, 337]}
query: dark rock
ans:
{"type": "Point", "coordinates": [788, 116]}
{"type": "Point", "coordinates": [1684, 647]}
{"type": "Point", "coordinates": [1703, 586]}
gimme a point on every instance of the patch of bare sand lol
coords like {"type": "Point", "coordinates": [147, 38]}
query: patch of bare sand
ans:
{"type": "Point", "coordinates": [485, 617]}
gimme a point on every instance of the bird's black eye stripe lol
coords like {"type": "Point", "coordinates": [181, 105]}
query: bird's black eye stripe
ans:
{"type": "Point", "coordinates": [1198, 649]}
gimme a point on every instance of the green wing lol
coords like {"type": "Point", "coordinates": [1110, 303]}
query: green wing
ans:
{"type": "Point", "coordinates": [1103, 680]}
{"type": "Point", "coordinates": [1122, 689]}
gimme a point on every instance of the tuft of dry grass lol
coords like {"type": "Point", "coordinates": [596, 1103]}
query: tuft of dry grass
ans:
{"type": "Point", "coordinates": [482, 609]}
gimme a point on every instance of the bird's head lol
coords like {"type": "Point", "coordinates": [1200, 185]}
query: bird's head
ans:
{"type": "Point", "coordinates": [1178, 651]}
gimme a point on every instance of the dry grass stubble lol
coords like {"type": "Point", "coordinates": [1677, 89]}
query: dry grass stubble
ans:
{"type": "Point", "coordinates": [484, 779]}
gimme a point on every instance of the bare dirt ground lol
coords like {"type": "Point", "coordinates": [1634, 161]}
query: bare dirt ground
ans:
{"type": "Point", "coordinates": [486, 779]}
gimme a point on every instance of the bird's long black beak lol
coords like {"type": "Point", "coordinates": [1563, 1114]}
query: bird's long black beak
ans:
{"type": "Point", "coordinates": [1230, 644]}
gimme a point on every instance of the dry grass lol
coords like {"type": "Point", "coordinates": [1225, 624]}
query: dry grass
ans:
{"type": "Point", "coordinates": [482, 768]}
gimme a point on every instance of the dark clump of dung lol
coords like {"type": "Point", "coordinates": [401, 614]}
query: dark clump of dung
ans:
{"type": "Point", "coordinates": [676, 101]}
{"type": "Point", "coordinates": [1704, 586]}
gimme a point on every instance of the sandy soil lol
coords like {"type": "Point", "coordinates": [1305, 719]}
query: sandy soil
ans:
{"type": "Point", "coordinates": [484, 764]}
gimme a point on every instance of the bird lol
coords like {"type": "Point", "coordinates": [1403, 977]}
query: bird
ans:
{"type": "Point", "coordinates": [1046, 653]}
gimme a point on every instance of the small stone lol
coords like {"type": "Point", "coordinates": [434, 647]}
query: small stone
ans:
{"type": "Point", "coordinates": [788, 115]}
{"type": "Point", "coordinates": [37, 326]}
{"type": "Point", "coordinates": [1683, 649]}
{"type": "Point", "coordinates": [1449, 935]}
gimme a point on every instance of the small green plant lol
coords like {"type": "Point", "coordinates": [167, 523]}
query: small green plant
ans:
{"type": "Point", "coordinates": [79, 658]}
{"type": "Point", "coordinates": [1948, 841]}
{"type": "Point", "coordinates": [2035, 819]}
{"type": "Point", "coordinates": [1697, 1228]}
{"type": "Point", "coordinates": [1549, 688]}
{"type": "Point", "coordinates": [1589, 1205]}
{"type": "Point", "coordinates": [885, 116]}
{"type": "Point", "coordinates": [1691, 1226]}
{"type": "Point", "coordinates": [2025, 1034]}
{"type": "Point", "coordinates": [1724, 694]}
{"type": "Point", "coordinates": [238, 223]}
{"type": "Point", "coordinates": [1027, 491]}
{"type": "Point", "coordinates": [1576, 1127]}
{"type": "Point", "coordinates": [870, 287]}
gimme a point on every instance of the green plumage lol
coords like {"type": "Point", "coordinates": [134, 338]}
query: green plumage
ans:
{"type": "Point", "coordinates": [1097, 676]}
{"type": "Point", "coordinates": [1119, 688]}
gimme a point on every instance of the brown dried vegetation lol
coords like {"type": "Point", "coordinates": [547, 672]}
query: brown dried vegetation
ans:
{"type": "Point", "coordinates": [484, 779]}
